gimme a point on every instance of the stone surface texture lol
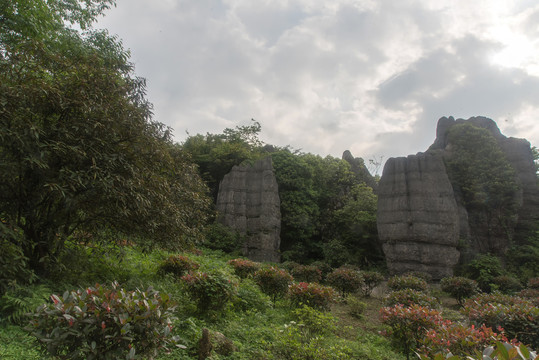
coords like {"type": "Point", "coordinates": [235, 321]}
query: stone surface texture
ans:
{"type": "Point", "coordinates": [357, 165]}
{"type": "Point", "coordinates": [421, 219]}
{"type": "Point", "coordinates": [248, 201]}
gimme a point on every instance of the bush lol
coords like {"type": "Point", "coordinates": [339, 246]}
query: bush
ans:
{"type": "Point", "coordinates": [356, 307]}
{"type": "Point", "coordinates": [531, 295]}
{"type": "Point", "coordinates": [371, 279]}
{"type": "Point", "coordinates": [409, 297]}
{"type": "Point", "coordinates": [484, 269]}
{"type": "Point", "coordinates": [506, 284]}
{"type": "Point", "coordinates": [178, 265]}
{"type": "Point", "coordinates": [244, 268]}
{"type": "Point", "coordinates": [19, 300]}
{"type": "Point", "coordinates": [273, 281]}
{"type": "Point", "coordinates": [221, 237]}
{"type": "Point", "coordinates": [314, 322]}
{"type": "Point", "coordinates": [533, 283]}
{"type": "Point", "coordinates": [408, 325]}
{"type": "Point", "coordinates": [401, 282]}
{"type": "Point", "coordinates": [249, 297]}
{"type": "Point", "coordinates": [210, 291]}
{"type": "Point", "coordinates": [518, 317]}
{"type": "Point", "coordinates": [324, 267]}
{"type": "Point", "coordinates": [311, 294]}
{"type": "Point", "coordinates": [345, 280]}
{"type": "Point", "coordinates": [459, 287]}
{"type": "Point", "coordinates": [14, 269]}
{"type": "Point", "coordinates": [306, 273]}
{"type": "Point", "coordinates": [102, 323]}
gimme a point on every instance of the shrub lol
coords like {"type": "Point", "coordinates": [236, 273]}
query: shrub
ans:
{"type": "Point", "coordinates": [409, 297]}
{"type": "Point", "coordinates": [102, 323]}
{"type": "Point", "coordinates": [356, 307]}
{"type": "Point", "coordinates": [313, 321]}
{"type": "Point", "coordinates": [249, 297]}
{"type": "Point", "coordinates": [459, 287]}
{"type": "Point", "coordinates": [420, 274]}
{"type": "Point", "coordinates": [408, 325]}
{"type": "Point", "coordinates": [506, 284]}
{"type": "Point", "coordinates": [14, 267]}
{"type": "Point", "coordinates": [244, 268]}
{"type": "Point", "coordinates": [19, 300]}
{"type": "Point", "coordinates": [273, 281]}
{"type": "Point", "coordinates": [210, 291]}
{"type": "Point", "coordinates": [518, 317]}
{"type": "Point", "coordinates": [311, 294]}
{"type": "Point", "coordinates": [178, 265]}
{"type": "Point", "coordinates": [401, 282]}
{"type": "Point", "coordinates": [345, 280]}
{"type": "Point", "coordinates": [484, 269]}
{"type": "Point", "coordinates": [371, 279]}
{"type": "Point", "coordinates": [533, 283]}
{"type": "Point", "coordinates": [306, 273]}
{"type": "Point", "coordinates": [531, 295]}
{"type": "Point", "coordinates": [324, 267]}
{"type": "Point", "coordinates": [221, 237]}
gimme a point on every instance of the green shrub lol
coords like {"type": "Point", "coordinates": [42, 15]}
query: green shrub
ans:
{"type": "Point", "coordinates": [273, 281]}
{"type": "Point", "coordinates": [177, 265]}
{"type": "Point", "coordinates": [244, 268]}
{"type": "Point", "coordinates": [401, 282]}
{"type": "Point", "coordinates": [371, 279]}
{"type": "Point", "coordinates": [209, 290]}
{"type": "Point", "coordinates": [518, 317]}
{"type": "Point", "coordinates": [221, 237]}
{"type": "Point", "coordinates": [314, 322]}
{"type": "Point", "coordinates": [408, 325]}
{"type": "Point", "coordinates": [311, 294]}
{"type": "Point", "coordinates": [249, 297]}
{"type": "Point", "coordinates": [324, 267]}
{"type": "Point", "coordinates": [306, 273]}
{"type": "Point", "coordinates": [533, 283]}
{"type": "Point", "coordinates": [356, 307]}
{"type": "Point", "coordinates": [14, 267]}
{"type": "Point", "coordinates": [484, 269]}
{"type": "Point", "coordinates": [409, 297]}
{"type": "Point", "coordinates": [506, 284]}
{"type": "Point", "coordinates": [345, 280]}
{"type": "Point", "coordinates": [102, 323]}
{"type": "Point", "coordinates": [531, 295]}
{"type": "Point", "coordinates": [459, 287]}
{"type": "Point", "coordinates": [19, 300]}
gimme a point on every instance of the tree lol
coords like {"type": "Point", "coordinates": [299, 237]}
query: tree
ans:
{"type": "Point", "coordinates": [79, 149]}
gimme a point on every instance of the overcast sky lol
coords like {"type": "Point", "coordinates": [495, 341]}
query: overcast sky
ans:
{"type": "Point", "coordinates": [372, 77]}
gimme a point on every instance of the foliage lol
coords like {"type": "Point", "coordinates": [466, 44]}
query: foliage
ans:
{"type": "Point", "coordinates": [306, 273]}
{"type": "Point", "coordinates": [484, 269]}
{"type": "Point", "coordinates": [13, 263]}
{"type": "Point", "coordinates": [345, 280]}
{"type": "Point", "coordinates": [371, 279]}
{"type": "Point", "coordinates": [220, 237]}
{"type": "Point", "coordinates": [507, 284]}
{"type": "Point", "coordinates": [244, 268]}
{"type": "Point", "coordinates": [459, 287]}
{"type": "Point", "coordinates": [356, 307]}
{"type": "Point", "coordinates": [401, 282]}
{"type": "Point", "coordinates": [19, 300]}
{"type": "Point", "coordinates": [408, 325]}
{"type": "Point", "coordinates": [409, 297]}
{"type": "Point", "coordinates": [16, 344]}
{"type": "Point", "coordinates": [311, 294]}
{"type": "Point", "coordinates": [79, 147]}
{"type": "Point", "coordinates": [313, 321]}
{"type": "Point", "coordinates": [250, 298]}
{"type": "Point", "coordinates": [533, 283]}
{"type": "Point", "coordinates": [523, 258]}
{"type": "Point", "coordinates": [178, 265]}
{"type": "Point", "coordinates": [273, 281]}
{"type": "Point", "coordinates": [518, 317]}
{"type": "Point", "coordinates": [103, 323]}
{"type": "Point", "coordinates": [209, 290]}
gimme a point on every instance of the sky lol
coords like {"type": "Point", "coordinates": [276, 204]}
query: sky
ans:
{"type": "Point", "coordinates": [369, 76]}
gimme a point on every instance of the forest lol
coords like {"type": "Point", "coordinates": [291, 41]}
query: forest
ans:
{"type": "Point", "coordinates": [111, 246]}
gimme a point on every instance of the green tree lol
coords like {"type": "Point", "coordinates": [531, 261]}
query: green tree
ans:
{"type": "Point", "coordinates": [79, 149]}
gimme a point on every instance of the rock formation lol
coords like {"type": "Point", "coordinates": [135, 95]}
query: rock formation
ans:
{"type": "Point", "coordinates": [248, 202]}
{"type": "Point", "coordinates": [424, 223]}
{"type": "Point", "coordinates": [357, 165]}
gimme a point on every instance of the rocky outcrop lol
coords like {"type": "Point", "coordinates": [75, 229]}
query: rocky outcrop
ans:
{"type": "Point", "coordinates": [357, 165]}
{"type": "Point", "coordinates": [248, 201]}
{"type": "Point", "coordinates": [423, 220]}
{"type": "Point", "coordinates": [418, 216]}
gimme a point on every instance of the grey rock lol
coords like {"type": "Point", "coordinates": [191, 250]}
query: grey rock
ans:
{"type": "Point", "coordinates": [248, 202]}
{"type": "Point", "coordinates": [357, 165]}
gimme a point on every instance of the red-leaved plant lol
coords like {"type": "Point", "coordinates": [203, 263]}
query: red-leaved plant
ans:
{"type": "Point", "coordinates": [312, 294]}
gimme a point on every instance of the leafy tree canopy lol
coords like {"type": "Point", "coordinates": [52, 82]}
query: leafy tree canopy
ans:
{"type": "Point", "coordinates": [79, 149]}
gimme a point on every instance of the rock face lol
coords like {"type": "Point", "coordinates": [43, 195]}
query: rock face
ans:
{"type": "Point", "coordinates": [418, 215]}
{"type": "Point", "coordinates": [422, 218]}
{"type": "Point", "coordinates": [357, 165]}
{"type": "Point", "coordinates": [248, 201]}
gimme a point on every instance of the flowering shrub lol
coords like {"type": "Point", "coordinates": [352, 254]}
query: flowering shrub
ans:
{"type": "Point", "coordinates": [459, 287]}
{"type": "Point", "coordinates": [102, 323]}
{"type": "Point", "coordinates": [307, 273]}
{"type": "Point", "coordinates": [273, 281]}
{"type": "Point", "coordinates": [458, 339]}
{"type": "Point", "coordinates": [498, 351]}
{"type": "Point", "coordinates": [519, 317]}
{"type": "Point", "coordinates": [311, 294]}
{"type": "Point", "coordinates": [533, 283]}
{"type": "Point", "coordinates": [178, 265]}
{"type": "Point", "coordinates": [506, 284]}
{"type": "Point", "coordinates": [345, 280]}
{"type": "Point", "coordinates": [401, 282]}
{"type": "Point", "coordinates": [209, 290]}
{"type": "Point", "coordinates": [410, 324]}
{"type": "Point", "coordinates": [244, 268]}
{"type": "Point", "coordinates": [531, 295]}
{"type": "Point", "coordinates": [371, 279]}
{"type": "Point", "coordinates": [409, 297]}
